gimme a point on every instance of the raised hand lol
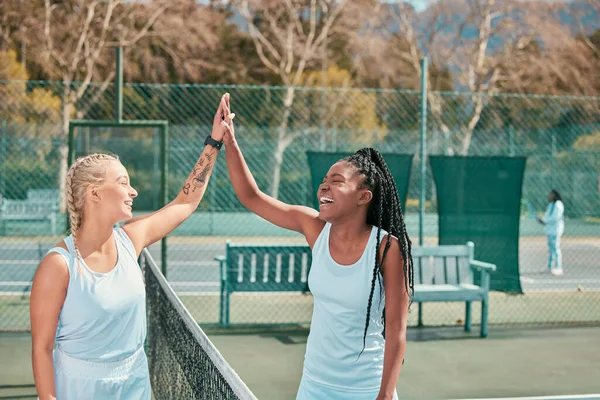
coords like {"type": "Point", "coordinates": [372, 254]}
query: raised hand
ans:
{"type": "Point", "coordinates": [229, 136]}
{"type": "Point", "coordinates": [220, 120]}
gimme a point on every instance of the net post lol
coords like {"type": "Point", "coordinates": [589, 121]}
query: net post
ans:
{"type": "Point", "coordinates": [423, 161]}
{"type": "Point", "coordinates": [71, 144]}
{"type": "Point", "coordinates": [423, 146]}
{"type": "Point", "coordinates": [70, 160]}
{"type": "Point", "coordinates": [119, 85]}
{"type": "Point", "coordinates": [3, 152]}
{"type": "Point", "coordinates": [164, 138]}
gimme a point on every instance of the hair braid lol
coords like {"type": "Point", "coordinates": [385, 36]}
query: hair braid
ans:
{"type": "Point", "coordinates": [88, 170]}
{"type": "Point", "coordinates": [385, 213]}
{"type": "Point", "coordinates": [375, 274]}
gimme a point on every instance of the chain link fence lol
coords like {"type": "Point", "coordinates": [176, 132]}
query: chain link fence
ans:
{"type": "Point", "coordinates": [276, 126]}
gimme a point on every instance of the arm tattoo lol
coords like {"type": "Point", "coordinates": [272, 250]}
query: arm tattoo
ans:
{"type": "Point", "coordinates": [199, 173]}
{"type": "Point", "coordinates": [200, 179]}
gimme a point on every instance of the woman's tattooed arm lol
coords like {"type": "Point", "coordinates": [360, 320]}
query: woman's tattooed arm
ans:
{"type": "Point", "coordinates": [147, 229]}
{"type": "Point", "coordinates": [201, 172]}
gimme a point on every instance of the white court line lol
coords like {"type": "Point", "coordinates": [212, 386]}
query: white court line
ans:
{"type": "Point", "coordinates": [25, 283]}
{"type": "Point", "coordinates": [15, 293]}
{"type": "Point", "coordinates": [179, 293]}
{"type": "Point", "coordinates": [193, 263]}
{"type": "Point", "coordinates": [19, 262]}
{"type": "Point", "coordinates": [217, 284]}
{"type": "Point", "coordinates": [563, 397]}
{"type": "Point", "coordinates": [206, 294]}
{"type": "Point", "coordinates": [195, 283]}
{"type": "Point", "coordinates": [559, 281]}
{"type": "Point", "coordinates": [182, 293]}
{"type": "Point", "coordinates": [245, 294]}
{"type": "Point", "coordinates": [171, 263]}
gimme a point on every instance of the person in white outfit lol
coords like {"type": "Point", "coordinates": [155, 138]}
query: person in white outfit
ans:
{"type": "Point", "coordinates": [553, 220]}
{"type": "Point", "coordinates": [88, 309]}
{"type": "Point", "coordinates": [361, 276]}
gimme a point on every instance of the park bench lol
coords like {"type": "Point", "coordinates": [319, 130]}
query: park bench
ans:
{"type": "Point", "coordinates": [40, 205]}
{"type": "Point", "coordinates": [442, 274]}
{"type": "Point", "coordinates": [450, 273]}
{"type": "Point", "coordinates": [262, 268]}
{"type": "Point", "coordinates": [43, 195]}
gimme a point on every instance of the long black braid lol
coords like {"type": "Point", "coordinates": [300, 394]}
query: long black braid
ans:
{"type": "Point", "coordinates": [385, 213]}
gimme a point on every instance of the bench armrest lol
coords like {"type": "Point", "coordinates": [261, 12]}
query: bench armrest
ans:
{"type": "Point", "coordinates": [480, 265]}
{"type": "Point", "coordinates": [222, 269]}
{"type": "Point", "coordinates": [484, 269]}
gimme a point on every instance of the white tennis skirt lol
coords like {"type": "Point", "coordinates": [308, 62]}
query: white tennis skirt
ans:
{"type": "Point", "coordinates": [311, 390]}
{"type": "Point", "coordinates": [77, 379]}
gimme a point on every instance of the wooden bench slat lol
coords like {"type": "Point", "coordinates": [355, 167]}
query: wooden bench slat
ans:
{"type": "Point", "coordinates": [255, 270]}
{"type": "Point", "coordinates": [438, 293]}
{"type": "Point", "coordinates": [441, 251]}
{"type": "Point", "coordinates": [29, 210]}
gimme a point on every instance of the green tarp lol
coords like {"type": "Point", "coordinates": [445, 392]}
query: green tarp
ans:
{"type": "Point", "coordinates": [479, 200]}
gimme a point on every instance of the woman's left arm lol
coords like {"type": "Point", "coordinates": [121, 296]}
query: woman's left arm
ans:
{"type": "Point", "coordinates": [397, 300]}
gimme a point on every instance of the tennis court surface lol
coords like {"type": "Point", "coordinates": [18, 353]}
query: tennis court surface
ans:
{"type": "Point", "coordinates": [441, 363]}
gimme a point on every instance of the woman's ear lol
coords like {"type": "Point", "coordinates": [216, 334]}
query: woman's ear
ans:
{"type": "Point", "coordinates": [365, 197]}
{"type": "Point", "coordinates": [93, 193]}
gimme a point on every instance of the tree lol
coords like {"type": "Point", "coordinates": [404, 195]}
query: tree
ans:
{"type": "Point", "coordinates": [588, 143]}
{"type": "Point", "coordinates": [351, 110]}
{"type": "Point", "coordinates": [20, 104]}
{"type": "Point", "coordinates": [235, 60]}
{"type": "Point", "coordinates": [472, 38]}
{"type": "Point", "coordinates": [182, 46]}
{"type": "Point", "coordinates": [582, 13]}
{"type": "Point", "coordinates": [70, 39]}
{"type": "Point", "coordinates": [559, 63]}
{"type": "Point", "coordinates": [289, 37]}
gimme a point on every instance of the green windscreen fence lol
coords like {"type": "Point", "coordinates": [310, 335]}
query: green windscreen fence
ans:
{"type": "Point", "coordinates": [398, 164]}
{"type": "Point", "coordinates": [138, 149]}
{"type": "Point", "coordinates": [479, 200]}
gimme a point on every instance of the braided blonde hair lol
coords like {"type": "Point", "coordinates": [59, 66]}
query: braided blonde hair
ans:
{"type": "Point", "coordinates": [88, 170]}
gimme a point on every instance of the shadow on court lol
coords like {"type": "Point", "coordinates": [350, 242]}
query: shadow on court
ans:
{"type": "Point", "coordinates": [440, 363]}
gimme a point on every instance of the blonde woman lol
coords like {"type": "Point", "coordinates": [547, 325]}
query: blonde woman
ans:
{"type": "Point", "coordinates": [88, 310]}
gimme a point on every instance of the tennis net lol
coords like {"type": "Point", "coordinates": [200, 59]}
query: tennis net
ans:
{"type": "Point", "coordinates": [183, 362]}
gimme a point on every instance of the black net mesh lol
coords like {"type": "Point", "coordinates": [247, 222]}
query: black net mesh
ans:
{"type": "Point", "coordinates": [183, 362]}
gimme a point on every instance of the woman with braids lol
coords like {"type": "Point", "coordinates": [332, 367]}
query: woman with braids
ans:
{"type": "Point", "coordinates": [360, 277]}
{"type": "Point", "coordinates": [88, 295]}
{"type": "Point", "coordinates": [554, 221]}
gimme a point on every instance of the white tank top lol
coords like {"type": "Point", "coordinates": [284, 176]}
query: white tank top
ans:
{"type": "Point", "coordinates": [341, 294]}
{"type": "Point", "coordinates": [104, 314]}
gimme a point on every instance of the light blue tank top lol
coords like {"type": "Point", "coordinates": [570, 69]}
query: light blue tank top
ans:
{"type": "Point", "coordinates": [341, 294]}
{"type": "Point", "coordinates": [104, 314]}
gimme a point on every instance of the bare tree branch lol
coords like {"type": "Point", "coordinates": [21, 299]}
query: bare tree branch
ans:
{"type": "Point", "coordinates": [288, 37]}
{"type": "Point", "coordinates": [259, 39]}
{"type": "Point", "coordinates": [145, 29]}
